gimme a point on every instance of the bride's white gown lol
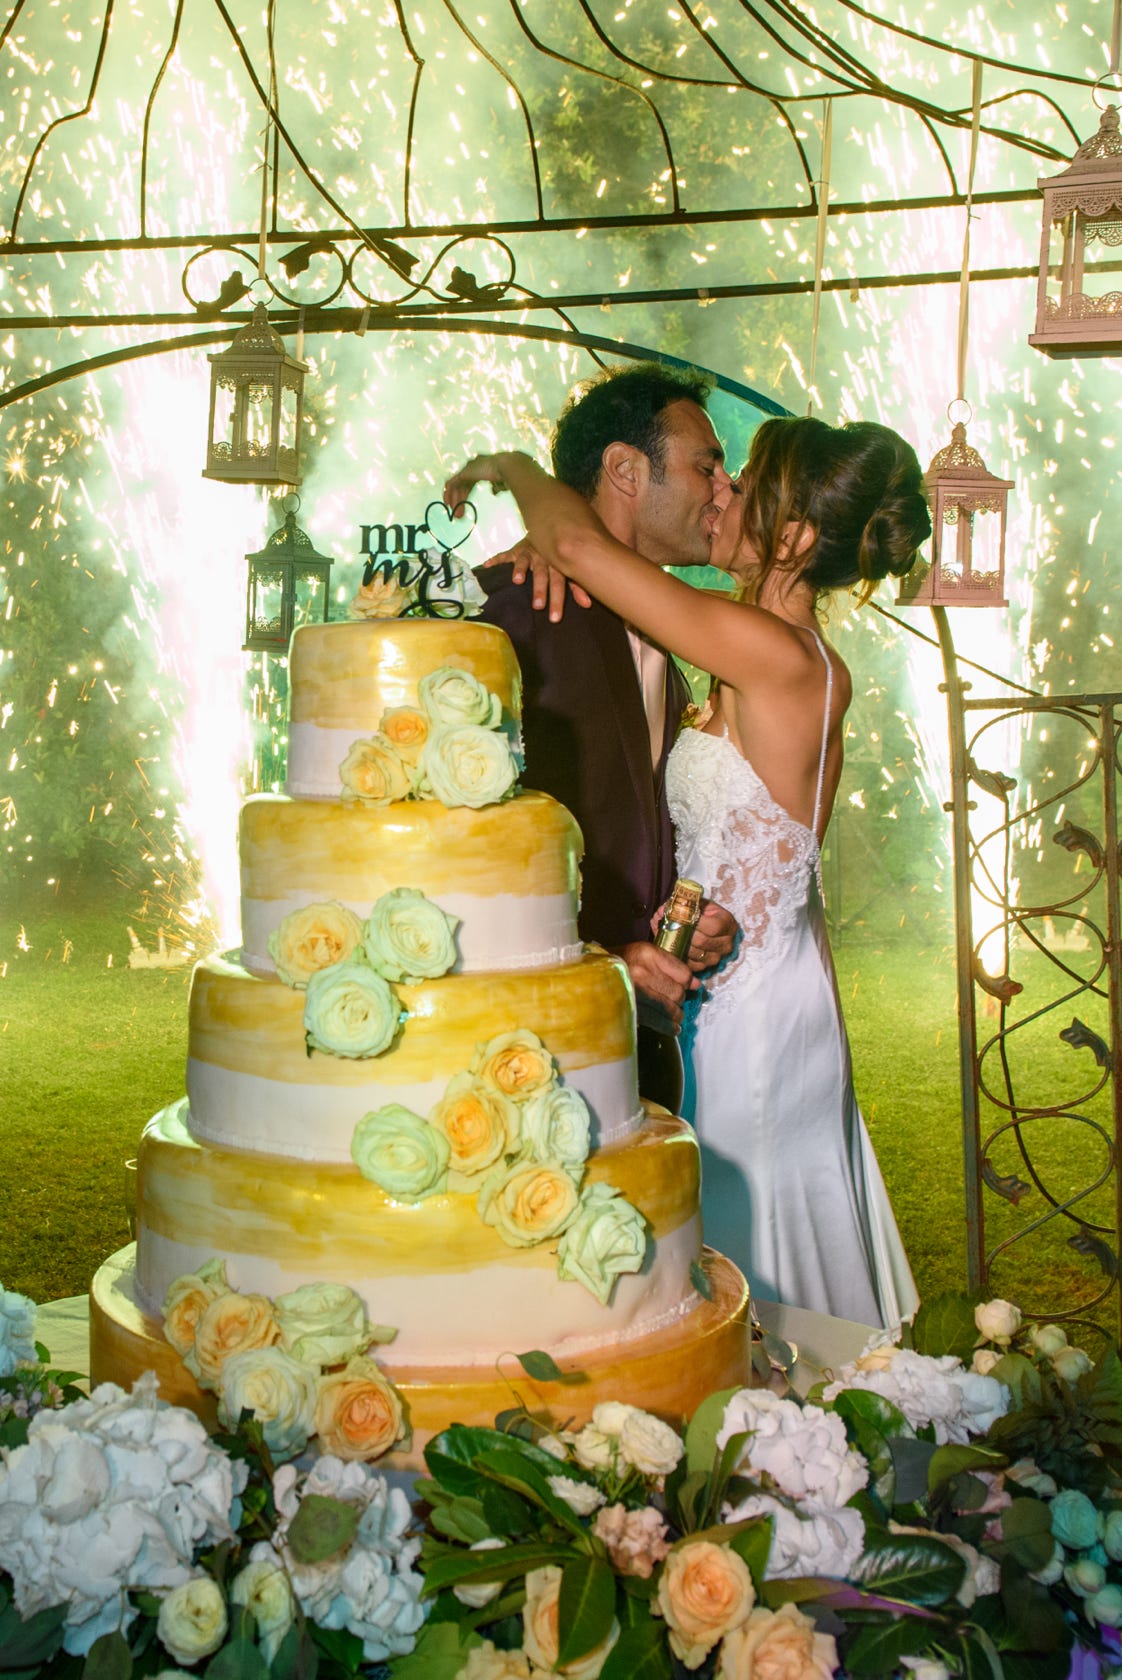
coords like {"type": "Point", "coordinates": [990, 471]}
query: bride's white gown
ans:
{"type": "Point", "coordinates": [791, 1187]}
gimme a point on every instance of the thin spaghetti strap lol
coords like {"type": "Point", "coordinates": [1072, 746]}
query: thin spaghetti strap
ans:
{"type": "Point", "coordinates": [825, 733]}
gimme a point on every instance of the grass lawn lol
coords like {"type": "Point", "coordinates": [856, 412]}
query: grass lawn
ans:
{"type": "Point", "coordinates": [90, 1049]}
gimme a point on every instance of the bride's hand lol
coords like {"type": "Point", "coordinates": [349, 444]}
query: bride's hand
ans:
{"type": "Point", "coordinates": [480, 469]}
{"type": "Point", "coordinates": [549, 585]}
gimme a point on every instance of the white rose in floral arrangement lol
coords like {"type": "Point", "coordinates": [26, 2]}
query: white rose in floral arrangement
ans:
{"type": "Point", "coordinates": [17, 1331]}
{"type": "Point", "coordinates": [278, 1390]}
{"type": "Point", "coordinates": [192, 1621]}
{"type": "Point", "coordinates": [606, 1238]}
{"type": "Point", "coordinates": [453, 696]}
{"type": "Point", "coordinates": [997, 1321]}
{"type": "Point", "coordinates": [468, 766]}
{"type": "Point", "coordinates": [400, 1152]}
{"type": "Point", "coordinates": [984, 1360]}
{"type": "Point", "coordinates": [323, 1323]}
{"type": "Point", "coordinates": [408, 938]}
{"type": "Point", "coordinates": [374, 773]}
{"type": "Point", "coordinates": [649, 1445]}
{"type": "Point", "coordinates": [263, 1588]}
{"type": "Point", "coordinates": [1071, 1363]}
{"type": "Point", "coordinates": [580, 1497]}
{"type": "Point", "coordinates": [478, 1594]}
{"type": "Point", "coordinates": [556, 1126]}
{"type": "Point", "coordinates": [487, 1662]}
{"type": "Point", "coordinates": [311, 938]}
{"type": "Point", "coordinates": [350, 1011]}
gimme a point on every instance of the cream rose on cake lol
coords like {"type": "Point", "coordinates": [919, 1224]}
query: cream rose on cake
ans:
{"type": "Point", "coordinates": [606, 1237]}
{"type": "Point", "coordinates": [515, 1063]}
{"type": "Point", "coordinates": [529, 1202]}
{"type": "Point", "coordinates": [279, 1390]}
{"type": "Point", "coordinates": [407, 938]}
{"type": "Point", "coordinates": [323, 1323]}
{"type": "Point", "coordinates": [374, 773]}
{"type": "Point", "coordinates": [452, 696]}
{"type": "Point", "coordinates": [311, 938]}
{"type": "Point", "coordinates": [480, 1124]}
{"type": "Point", "coordinates": [349, 1010]}
{"type": "Point", "coordinates": [406, 728]}
{"type": "Point", "coordinates": [555, 1127]}
{"type": "Point", "coordinates": [466, 765]}
{"type": "Point", "coordinates": [400, 1152]}
{"type": "Point", "coordinates": [358, 1413]}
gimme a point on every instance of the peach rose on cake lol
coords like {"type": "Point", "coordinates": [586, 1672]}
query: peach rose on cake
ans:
{"type": "Point", "coordinates": [323, 1323]}
{"type": "Point", "coordinates": [541, 1638]}
{"type": "Point", "coordinates": [778, 1644]}
{"type": "Point", "coordinates": [400, 1152]}
{"type": "Point", "coordinates": [453, 696]}
{"type": "Point", "coordinates": [350, 1011]}
{"type": "Point", "coordinates": [607, 1237]}
{"type": "Point", "coordinates": [230, 1324]}
{"type": "Point", "coordinates": [187, 1300]}
{"type": "Point", "coordinates": [704, 1592]}
{"type": "Point", "coordinates": [528, 1203]}
{"type": "Point", "coordinates": [385, 596]}
{"type": "Point", "coordinates": [374, 773]}
{"type": "Point", "coordinates": [406, 728]}
{"type": "Point", "coordinates": [480, 1124]}
{"type": "Point", "coordinates": [358, 1413]}
{"type": "Point", "coordinates": [407, 938]}
{"type": "Point", "coordinates": [467, 765]}
{"type": "Point", "coordinates": [515, 1063]}
{"type": "Point", "coordinates": [311, 938]}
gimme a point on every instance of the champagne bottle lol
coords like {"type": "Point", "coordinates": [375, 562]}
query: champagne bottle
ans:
{"type": "Point", "coordinates": [679, 919]}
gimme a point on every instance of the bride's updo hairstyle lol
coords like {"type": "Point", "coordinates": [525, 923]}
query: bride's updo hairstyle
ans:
{"type": "Point", "coordinates": [856, 488]}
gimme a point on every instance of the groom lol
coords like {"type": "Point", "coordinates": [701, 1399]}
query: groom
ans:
{"type": "Point", "coordinates": [601, 705]}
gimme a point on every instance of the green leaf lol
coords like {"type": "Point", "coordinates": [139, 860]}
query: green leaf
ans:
{"type": "Point", "coordinates": [703, 1428]}
{"type": "Point", "coordinates": [453, 1456]}
{"type": "Point", "coordinates": [872, 1423]}
{"type": "Point", "coordinates": [752, 1543]}
{"type": "Point", "coordinates": [1026, 1533]}
{"type": "Point", "coordinates": [508, 1514]}
{"type": "Point", "coordinates": [23, 1644]}
{"type": "Point", "coordinates": [341, 1645]}
{"type": "Point", "coordinates": [513, 1469]}
{"type": "Point", "coordinates": [297, 1657]}
{"type": "Point", "coordinates": [461, 1519]}
{"type": "Point", "coordinates": [1101, 1388]}
{"type": "Point", "coordinates": [945, 1324]}
{"type": "Point", "coordinates": [980, 1659]}
{"type": "Point", "coordinates": [586, 1607]}
{"type": "Point", "coordinates": [541, 1368]}
{"type": "Point", "coordinates": [689, 1501]}
{"type": "Point", "coordinates": [322, 1528]}
{"type": "Point", "coordinates": [238, 1660]}
{"type": "Point", "coordinates": [952, 1460]}
{"type": "Point", "coordinates": [640, 1653]}
{"type": "Point", "coordinates": [699, 1277]}
{"type": "Point", "coordinates": [878, 1646]}
{"type": "Point", "coordinates": [1021, 1378]}
{"type": "Point", "coordinates": [910, 1460]}
{"type": "Point", "coordinates": [108, 1658]}
{"type": "Point", "coordinates": [440, 1652]}
{"type": "Point", "coordinates": [1034, 1619]}
{"type": "Point", "coordinates": [446, 1566]}
{"type": "Point", "coordinates": [919, 1568]}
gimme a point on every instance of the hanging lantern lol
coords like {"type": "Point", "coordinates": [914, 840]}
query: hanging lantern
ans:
{"type": "Point", "coordinates": [968, 532]}
{"type": "Point", "coordinates": [256, 406]}
{"type": "Point", "coordinates": [288, 586]}
{"type": "Point", "coordinates": [1078, 301]}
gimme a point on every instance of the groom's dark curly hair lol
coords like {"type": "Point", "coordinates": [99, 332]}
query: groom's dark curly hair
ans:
{"type": "Point", "coordinates": [622, 405]}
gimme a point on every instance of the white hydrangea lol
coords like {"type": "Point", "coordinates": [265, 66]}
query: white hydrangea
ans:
{"type": "Point", "coordinates": [802, 1448]}
{"type": "Point", "coordinates": [17, 1331]}
{"type": "Point", "coordinates": [109, 1495]}
{"type": "Point", "coordinates": [372, 1588]}
{"type": "Point", "coordinates": [805, 1542]}
{"type": "Point", "coordinates": [938, 1391]}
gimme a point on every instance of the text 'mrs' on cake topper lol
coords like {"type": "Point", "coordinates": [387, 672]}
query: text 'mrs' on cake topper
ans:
{"type": "Point", "coordinates": [410, 570]}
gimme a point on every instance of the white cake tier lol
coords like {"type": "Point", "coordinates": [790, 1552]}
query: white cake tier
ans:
{"type": "Point", "coordinates": [509, 873]}
{"type": "Point", "coordinates": [253, 1086]}
{"type": "Point", "coordinates": [453, 1290]}
{"type": "Point", "coordinates": [342, 677]}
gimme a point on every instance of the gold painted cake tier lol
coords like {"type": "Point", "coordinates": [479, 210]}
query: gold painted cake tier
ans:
{"type": "Point", "coordinates": [345, 675]}
{"type": "Point", "coordinates": [668, 1371]}
{"type": "Point", "coordinates": [252, 1085]}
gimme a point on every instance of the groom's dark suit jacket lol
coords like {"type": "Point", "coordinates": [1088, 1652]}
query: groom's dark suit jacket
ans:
{"type": "Point", "coordinates": [588, 745]}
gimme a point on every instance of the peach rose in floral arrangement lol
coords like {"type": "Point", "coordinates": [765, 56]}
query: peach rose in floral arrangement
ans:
{"type": "Point", "coordinates": [230, 1324]}
{"type": "Point", "coordinates": [704, 1592]}
{"type": "Point", "coordinates": [358, 1413]}
{"type": "Point", "coordinates": [778, 1644]}
{"type": "Point", "coordinates": [515, 1063]}
{"type": "Point", "coordinates": [311, 938]}
{"type": "Point", "coordinates": [187, 1300]}
{"type": "Point", "coordinates": [406, 728]}
{"type": "Point", "coordinates": [541, 1634]}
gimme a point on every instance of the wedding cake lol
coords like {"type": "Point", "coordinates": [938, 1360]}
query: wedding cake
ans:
{"type": "Point", "coordinates": [415, 1081]}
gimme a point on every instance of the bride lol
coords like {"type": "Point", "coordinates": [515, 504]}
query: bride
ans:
{"type": "Point", "coordinates": [792, 1189]}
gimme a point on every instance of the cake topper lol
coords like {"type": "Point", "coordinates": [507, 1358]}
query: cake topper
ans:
{"type": "Point", "coordinates": [405, 577]}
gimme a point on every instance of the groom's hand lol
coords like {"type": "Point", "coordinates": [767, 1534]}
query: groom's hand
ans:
{"type": "Point", "coordinates": [659, 976]}
{"type": "Point", "coordinates": [713, 937]}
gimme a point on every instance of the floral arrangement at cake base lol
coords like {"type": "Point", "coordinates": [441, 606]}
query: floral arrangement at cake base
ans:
{"type": "Point", "coordinates": [950, 1504]}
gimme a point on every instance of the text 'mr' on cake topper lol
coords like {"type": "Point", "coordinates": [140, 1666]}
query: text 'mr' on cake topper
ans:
{"type": "Point", "coordinates": [410, 572]}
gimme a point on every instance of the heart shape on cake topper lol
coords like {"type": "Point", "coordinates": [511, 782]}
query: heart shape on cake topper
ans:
{"type": "Point", "coordinates": [443, 535]}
